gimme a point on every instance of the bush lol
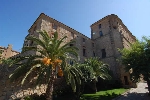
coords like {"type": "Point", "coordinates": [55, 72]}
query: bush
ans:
{"type": "Point", "coordinates": [108, 84]}
{"type": "Point", "coordinates": [90, 87]}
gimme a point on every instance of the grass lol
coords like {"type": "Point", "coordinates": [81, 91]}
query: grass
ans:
{"type": "Point", "coordinates": [104, 95]}
{"type": "Point", "coordinates": [101, 95]}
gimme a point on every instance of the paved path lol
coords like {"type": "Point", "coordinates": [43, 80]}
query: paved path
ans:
{"type": "Point", "coordinates": [139, 93]}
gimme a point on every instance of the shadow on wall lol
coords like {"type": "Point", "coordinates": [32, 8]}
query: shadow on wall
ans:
{"type": "Point", "coordinates": [14, 90]}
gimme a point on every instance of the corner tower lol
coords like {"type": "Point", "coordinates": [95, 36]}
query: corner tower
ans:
{"type": "Point", "coordinates": [109, 35]}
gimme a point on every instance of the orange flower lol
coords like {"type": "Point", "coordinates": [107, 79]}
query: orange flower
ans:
{"type": "Point", "coordinates": [58, 61]}
{"type": "Point", "coordinates": [46, 61]}
{"type": "Point", "coordinates": [60, 72]}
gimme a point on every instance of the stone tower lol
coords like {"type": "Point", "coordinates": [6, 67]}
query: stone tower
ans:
{"type": "Point", "coordinates": [109, 35]}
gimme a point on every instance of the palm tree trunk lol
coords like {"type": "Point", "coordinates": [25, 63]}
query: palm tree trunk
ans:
{"type": "Point", "coordinates": [49, 90]}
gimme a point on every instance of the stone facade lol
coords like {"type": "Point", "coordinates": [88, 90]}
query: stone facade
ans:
{"type": "Point", "coordinates": [44, 22]}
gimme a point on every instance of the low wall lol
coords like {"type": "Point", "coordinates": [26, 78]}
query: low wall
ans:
{"type": "Point", "coordinates": [11, 91]}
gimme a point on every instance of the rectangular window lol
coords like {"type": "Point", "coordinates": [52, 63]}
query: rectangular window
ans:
{"type": "Point", "coordinates": [103, 53]}
{"type": "Point", "coordinates": [100, 33]}
{"type": "Point", "coordinates": [72, 35]}
{"type": "Point", "coordinates": [71, 62]}
{"type": "Point", "coordinates": [126, 80]}
{"type": "Point", "coordinates": [92, 44]}
{"type": "Point", "coordinates": [99, 26]}
{"type": "Point", "coordinates": [93, 54]}
{"type": "Point", "coordinates": [83, 39]}
{"type": "Point", "coordinates": [84, 52]}
{"type": "Point", "coordinates": [54, 26]}
{"type": "Point", "coordinates": [31, 43]}
{"type": "Point", "coordinates": [71, 45]}
{"type": "Point", "coordinates": [34, 29]}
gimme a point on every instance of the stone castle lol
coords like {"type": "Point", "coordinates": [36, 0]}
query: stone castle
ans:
{"type": "Point", "coordinates": [107, 35]}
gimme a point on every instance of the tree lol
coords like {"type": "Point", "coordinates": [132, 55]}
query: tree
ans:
{"type": "Point", "coordinates": [6, 63]}
{"type": "Point", "coordinates": [99, 68]}
{"type": "Point", "coordinates": [93, 68]}
{"type": "Point", "coordinates": [137, 60]}
{"type": "Point", "coordinates": [51, 60]}
{"type": "Point", "coordinates": [74, 75]}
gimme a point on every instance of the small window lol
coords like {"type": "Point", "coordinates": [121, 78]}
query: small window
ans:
{"type": "Point", "coordinates": [54, 27]}
{"type": "Point", "coordinates": [34, 29]}
{"type": "Point", "coordinates": [71, 45]}
{"type": "Point", "coordinates": [71, 62]}
{"type": "Point", "coordinates": [115, 27]}
{"type": "Point", "coordinates": [100, 33]}
{"type": "Point", "coordinates": [31, 43]}
{"type": "Point", "coordinates": [99, 26]}
{"type": "Point", "coordinates": [126, 80]}
{"type": "Point", "coordinates": [92, 44]}
{"type": "Point", "coordinates": [120, 31]}
{"type": "Point", "coordinates": [83, 39]}
{"type": "Point", "coordinates": [84, 52]}
{"type": "Point", "coordinates": [93, 54]}
{"type": "Point", "coordinates": [103, 53]}
{"type": "Point", "coordinates": [72, 35]}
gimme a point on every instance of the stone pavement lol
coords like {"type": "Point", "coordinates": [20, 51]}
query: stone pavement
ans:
{"type": "Point", "coordinates": [139, 93]}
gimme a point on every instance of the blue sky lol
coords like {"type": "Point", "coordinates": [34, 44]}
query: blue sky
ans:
{"type": "Point", "coordinates": [16, 16]}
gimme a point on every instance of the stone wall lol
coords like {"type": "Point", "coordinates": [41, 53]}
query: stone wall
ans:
{"type": "Point", "coordinates": [13, 90]}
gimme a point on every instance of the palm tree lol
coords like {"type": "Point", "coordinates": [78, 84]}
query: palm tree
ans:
{"type": "Point", "coordinates": [92, 69]}
{"type": "Point", "coordinates": [51, 60]}
{"type": "Point", "coordinates": [99, 68]}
